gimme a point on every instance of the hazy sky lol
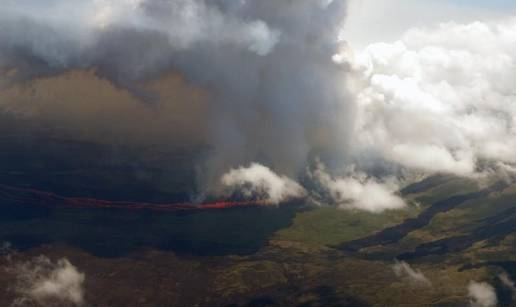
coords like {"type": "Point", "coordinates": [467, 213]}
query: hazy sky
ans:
{"type": "Point", "coordinates": [385, 20]}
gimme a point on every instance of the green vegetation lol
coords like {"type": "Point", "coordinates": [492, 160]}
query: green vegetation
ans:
{"type": "Point", "coordinates": [452, 186]}
{"type": "Point", "coordinates": [297, 267]}
{"type": "Point", "coordinates": [325, 226]}
{"type": "Point", "coordinates": [464, 218]}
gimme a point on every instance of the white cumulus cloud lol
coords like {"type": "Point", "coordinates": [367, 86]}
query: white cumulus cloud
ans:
{"type": "Point", "coordinates": [440, 99]}
{"type": "Point", "coordinates": [43, 282]}
{"type": "Point", "coordinates": [481, 294]}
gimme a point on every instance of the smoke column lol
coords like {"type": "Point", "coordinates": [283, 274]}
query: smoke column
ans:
{"type": "Point", "coordinates": [276, 93]}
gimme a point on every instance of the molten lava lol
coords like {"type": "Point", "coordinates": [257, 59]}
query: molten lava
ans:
{"type": "Point", "coordinates": [48, 199]}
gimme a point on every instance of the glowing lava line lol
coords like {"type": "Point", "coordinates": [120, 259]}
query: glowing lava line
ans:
{"type": "Point", "coordinates": [48, 199]}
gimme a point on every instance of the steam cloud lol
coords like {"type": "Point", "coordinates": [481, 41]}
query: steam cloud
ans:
{"type": "Point", "coordinates": [355, 191]}
{"type": "Point", "coordinates": [258, 181]}
{"type": "Point", "coordinates": [358, 191]}
{"type": "Point", "coordinates": [44, 282]}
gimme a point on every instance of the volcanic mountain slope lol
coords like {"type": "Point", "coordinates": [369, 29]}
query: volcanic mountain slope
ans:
{"type": "Point", "coordinates": [304, 261]}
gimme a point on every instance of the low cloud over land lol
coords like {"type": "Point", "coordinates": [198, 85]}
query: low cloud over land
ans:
{"type": "Point", "coordinates": [48, 283]}
{"type": "Point", "coordinates": [415, 277]}
{"type": "Point", "coordinates": [481, 294]}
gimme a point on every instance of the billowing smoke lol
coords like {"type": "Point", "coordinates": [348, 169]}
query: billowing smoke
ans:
{"type": "Point", "coordinates": [275, 83]}
{"type": "Point", "coordinates": [127, 40]}
{"type": "Point", "coordinates": [276, 93]}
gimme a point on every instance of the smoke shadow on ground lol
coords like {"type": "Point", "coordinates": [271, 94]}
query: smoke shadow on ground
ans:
{"type": "Point", "coordinates": [117, 232]}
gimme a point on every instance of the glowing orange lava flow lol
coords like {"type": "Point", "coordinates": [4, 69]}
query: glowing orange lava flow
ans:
{"type": "Point", "coordinates": [47, 199]}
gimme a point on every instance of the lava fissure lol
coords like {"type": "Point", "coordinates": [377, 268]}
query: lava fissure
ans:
{"type": "Point", "coordinates": [49, 199]}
